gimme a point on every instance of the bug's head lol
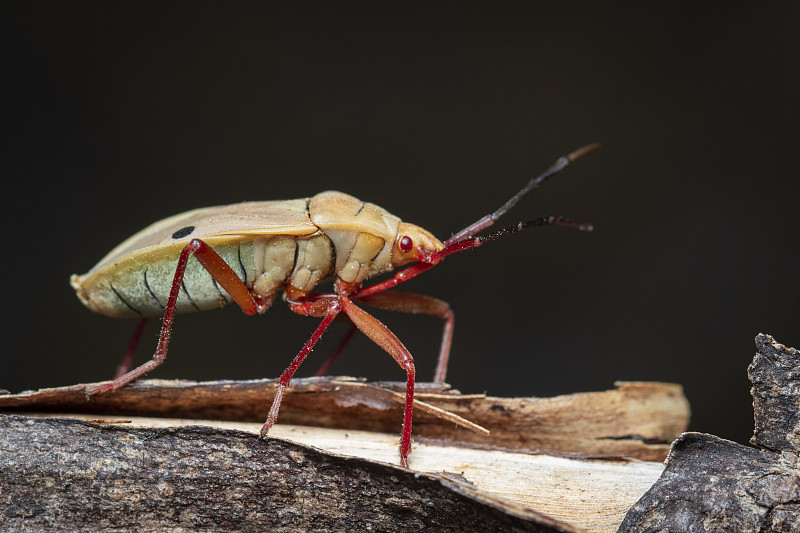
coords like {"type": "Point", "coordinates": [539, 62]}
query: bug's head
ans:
{"type": "Point", "coordinates": [413, 244]}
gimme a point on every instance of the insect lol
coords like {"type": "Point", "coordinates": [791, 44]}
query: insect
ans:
{"type": "Point", "coordinates": [247, 253]}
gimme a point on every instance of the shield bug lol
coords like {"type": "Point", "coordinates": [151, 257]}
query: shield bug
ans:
{"type": "Point", "coordinates": [247, 253]}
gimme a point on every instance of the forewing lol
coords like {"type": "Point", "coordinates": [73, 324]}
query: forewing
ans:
{"type": "Point", "coordinates": [285, 217]}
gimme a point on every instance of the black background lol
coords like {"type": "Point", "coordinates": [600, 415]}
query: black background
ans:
{"type": "Point", "coordinates": [119, 114]}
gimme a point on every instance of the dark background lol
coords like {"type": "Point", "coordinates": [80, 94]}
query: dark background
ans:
{"type": "Point", "coordinates": [118, 115]}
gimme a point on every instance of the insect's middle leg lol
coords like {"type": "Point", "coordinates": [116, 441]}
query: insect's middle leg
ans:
{"type": "Point", "coordinates": [227, 279]}
{"type": "Point", "coordinates": [329, 308]}
{"type": "Point", "coordinates": [383, 337]}
{"type": "Point", "coordinates": [407, 302]}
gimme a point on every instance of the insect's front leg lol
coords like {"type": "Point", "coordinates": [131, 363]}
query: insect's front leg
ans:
{"type": "Point", "coordinates": [406, 302]}
{"type": "Point", "coordinates": [227, 279]}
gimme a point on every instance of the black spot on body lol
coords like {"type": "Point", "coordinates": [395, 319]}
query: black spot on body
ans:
{"type": "Point", "coordinates": [183, 232]}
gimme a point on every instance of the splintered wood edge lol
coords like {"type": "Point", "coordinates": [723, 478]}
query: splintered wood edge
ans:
{"type": "Point", "coordinates": [637, 419]}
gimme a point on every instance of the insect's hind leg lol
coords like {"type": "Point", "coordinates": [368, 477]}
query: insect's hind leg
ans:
{"type": "Point", "coordinates": [407, 302]}
{"type": "Point", "coordinates": [227, 279]}
{"type": "Point", "coordinates": [127, 359]}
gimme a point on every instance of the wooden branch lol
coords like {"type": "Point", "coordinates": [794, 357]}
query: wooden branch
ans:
{"type": "Point", "coordinates": [157, 474]}
{"type": "Point", "coordinates": [710, 484]}
{"type": "Point", "coordinates": [463, 480]}
{"type": "Point", "coordinates": [85, 476]}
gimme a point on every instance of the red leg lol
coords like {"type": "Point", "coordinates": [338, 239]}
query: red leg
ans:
{"type": "Point", "coordinates": [220, 271]}
{"type": "Point", "coordinates": [125, 364]}
{"type": "Point", "coordinates": [383, 337]}
{"type": "Point", "coordinates": [326, 366]}
{"type": "Point", "coordinates": [406, 302]}
{"type": "Point", "coordinates": [332, 309]}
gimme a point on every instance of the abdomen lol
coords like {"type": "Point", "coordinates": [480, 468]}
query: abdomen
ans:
{"type": "Point", "coordinates": [134, 287]}
{"type": "Point", "coordinates": [140, 286]}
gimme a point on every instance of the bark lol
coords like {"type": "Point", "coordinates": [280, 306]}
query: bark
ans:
{"type": "Point", "coordinates": [775, 375]}
{"type": "Point", "coordinates": [70, 475]}
{"type": "Point", "coordinates": [710, 484]}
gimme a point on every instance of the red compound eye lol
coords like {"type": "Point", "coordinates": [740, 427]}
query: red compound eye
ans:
{"type": "Point", "coordinates": [405, 244]}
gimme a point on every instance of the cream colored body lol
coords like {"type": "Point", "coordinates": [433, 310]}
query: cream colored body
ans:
{"type": "Point", "coordinates": [292, 244]}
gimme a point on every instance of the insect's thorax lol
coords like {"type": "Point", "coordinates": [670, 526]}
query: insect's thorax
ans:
{"type": "Point", "coordinates": [304, 262]}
